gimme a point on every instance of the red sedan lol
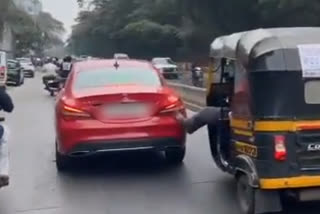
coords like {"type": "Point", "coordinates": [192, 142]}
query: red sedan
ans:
{"type": "Point", "coordinates": [109, 106]}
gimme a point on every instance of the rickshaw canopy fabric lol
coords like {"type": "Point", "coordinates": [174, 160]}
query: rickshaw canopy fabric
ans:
{"type": "Point", "coordinates": [285, 45]}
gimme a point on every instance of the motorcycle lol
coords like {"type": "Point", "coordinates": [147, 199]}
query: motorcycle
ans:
{"type": "Point", "coordinates": [53, 84]}
{"type": "Point", "coordinates": [197, 79]}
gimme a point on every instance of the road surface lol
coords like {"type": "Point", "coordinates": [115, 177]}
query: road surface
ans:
{"type": "Point", "coordinates": [116, 184]}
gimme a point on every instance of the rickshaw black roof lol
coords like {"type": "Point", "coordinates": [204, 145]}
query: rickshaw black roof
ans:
{"type": "Point", "coordinates": [253, 44]}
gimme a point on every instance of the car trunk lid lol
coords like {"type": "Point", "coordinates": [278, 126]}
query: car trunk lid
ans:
{"type": "Point", "coordinates": [121, 103]}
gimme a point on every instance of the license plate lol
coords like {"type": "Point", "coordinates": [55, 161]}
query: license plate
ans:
{"type": "Point", "coordinates": [127, 110]}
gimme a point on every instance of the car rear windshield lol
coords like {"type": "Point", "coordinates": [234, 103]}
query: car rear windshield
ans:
{"type": "Point", "coordinates": [111, 76]}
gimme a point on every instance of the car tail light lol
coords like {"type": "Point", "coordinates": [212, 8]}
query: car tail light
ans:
{"type": "Point", "coordinates": [280, 151]}
{"type": "Point", "coordinates": [73, 113]}
{"type": "Point", "coordinates": [172, 104]}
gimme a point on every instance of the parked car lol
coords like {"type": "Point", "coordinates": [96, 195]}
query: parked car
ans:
{"type": "Point", "coordinates": [28, 67]}
{"type": "Point", "coordinates": [121, 56]}
{"type": "Point", "coordinates": [109, 106]}
{"type": "Point", "coordinates": [167, 67]}
{"type": "Point", "coordinates": [15, 73]}
{"type": "Point", "coordinates": [3, 68]}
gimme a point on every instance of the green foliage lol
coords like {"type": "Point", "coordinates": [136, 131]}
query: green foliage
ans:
{"type": "Point", "coordinates": [179, 28]}
{"type": "Point", "coordinates": [34, 33]}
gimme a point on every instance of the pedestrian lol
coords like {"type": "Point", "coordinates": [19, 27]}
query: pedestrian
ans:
{"type": "Point", "coordinates": [6, 105]}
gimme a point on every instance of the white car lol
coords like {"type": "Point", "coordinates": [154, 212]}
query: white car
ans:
{"type": "Point", "coordinates": [166, 66]}
{"type": "Point", "coordinates": [27, 66]}
{"type": "Point", "coordinates": [121, 56]}
{"type": "Point", "coordinates": [3, 68]}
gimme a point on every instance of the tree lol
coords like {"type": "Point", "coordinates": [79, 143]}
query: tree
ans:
{"type": "Point", "coordinates": [180, 28]}
{"type": "Point", "coordinates": [34, 33]}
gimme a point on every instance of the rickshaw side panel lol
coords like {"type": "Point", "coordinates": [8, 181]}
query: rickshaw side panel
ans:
{"type": "Point", "coordinates": [266, 164]}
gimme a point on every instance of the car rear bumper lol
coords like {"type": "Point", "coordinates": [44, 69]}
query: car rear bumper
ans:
{"type": "Point", "coordinates": [28, 72]}
{"type": "Point", "coordinates": [171, 75]}
{"type": "Point", "coordinates": [155, 134]}
{"type": "Point", "coordinates": [96, 147]}
{"type": "Point", "coordinates": [13, 80]}
{"type": "Point", "coordinates": [13, 77]}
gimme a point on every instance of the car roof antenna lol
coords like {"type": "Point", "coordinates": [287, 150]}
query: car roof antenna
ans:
{"type": "Point", "coordinates": [116, 65]}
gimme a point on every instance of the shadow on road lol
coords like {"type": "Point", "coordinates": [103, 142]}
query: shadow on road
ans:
{"type": "Point", "coordinates": [300, 208]}
{"type": "Point", "coordinates": [127, 163]}
{"type": "Point", "coordinates": [150, 170]}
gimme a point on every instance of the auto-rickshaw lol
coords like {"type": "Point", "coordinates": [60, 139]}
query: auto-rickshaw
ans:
{"type": "Point", "coordinates": [267, 84]}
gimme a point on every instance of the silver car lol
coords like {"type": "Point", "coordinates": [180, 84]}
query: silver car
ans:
{"type": "Point", "coordinates": [166, 66]}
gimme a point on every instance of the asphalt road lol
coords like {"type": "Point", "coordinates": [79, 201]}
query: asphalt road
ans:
{"type": "Point", "coordinates": [135, 183]}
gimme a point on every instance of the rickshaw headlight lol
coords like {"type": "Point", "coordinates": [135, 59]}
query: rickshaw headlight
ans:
{"type": "Point", "coordinates": [280, 151]}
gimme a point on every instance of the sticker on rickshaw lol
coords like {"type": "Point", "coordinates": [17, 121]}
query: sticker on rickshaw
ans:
{"type": "Point", "coordinates": [310, 60]}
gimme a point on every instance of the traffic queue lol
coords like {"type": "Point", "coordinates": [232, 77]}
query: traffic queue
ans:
{"type": "Point", "coordinates": [262, 112]}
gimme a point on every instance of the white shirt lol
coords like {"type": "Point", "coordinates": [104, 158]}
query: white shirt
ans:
{"type": "Point", "coordinates": [50, 68]}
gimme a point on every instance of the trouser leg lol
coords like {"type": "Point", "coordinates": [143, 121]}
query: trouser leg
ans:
{"type": "Point", "coordinates": [209, 115]}
{"type": "Point", "coordinates": [4, 160]}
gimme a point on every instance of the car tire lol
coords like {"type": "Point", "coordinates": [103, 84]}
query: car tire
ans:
{"type": "Point", "coordinates": [62, 162]}
{"type": "Point", "coordinates": [176, 155]}
{"type": "Point", "coordinates": [245, 195]}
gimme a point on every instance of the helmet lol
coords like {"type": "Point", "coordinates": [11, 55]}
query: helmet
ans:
{"type": "Point", "coordinates": [67, 59]}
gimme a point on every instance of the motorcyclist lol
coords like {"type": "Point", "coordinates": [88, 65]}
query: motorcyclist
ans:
{"type": "Point", "coordinates": [6, 105]}
{"type": "Point", "coordinates": [62, 73]}
{"type": "Point", "coordinates": [194, 74]}
{"type": "Point", "coordinates": [66, 67]}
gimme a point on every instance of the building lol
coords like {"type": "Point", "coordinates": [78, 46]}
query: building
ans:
{"type": "Point", "coordinates": [6, 40]}
{"type": "Point", "coordinates": [32, 7]}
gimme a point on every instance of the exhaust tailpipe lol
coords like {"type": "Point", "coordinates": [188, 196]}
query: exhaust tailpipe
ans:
{"type": "Point", "coordinates": [80, 153]}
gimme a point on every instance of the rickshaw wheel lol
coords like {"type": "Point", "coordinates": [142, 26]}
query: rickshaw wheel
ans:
{"type": "Point", "coordinates": [245, 195]}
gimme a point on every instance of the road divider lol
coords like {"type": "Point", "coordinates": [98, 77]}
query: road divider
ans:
{"type": "Point", "coordinates": [194, 97]}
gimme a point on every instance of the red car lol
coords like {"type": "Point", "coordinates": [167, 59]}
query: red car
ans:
{"type": "Point", "coordinates": [109, 106]}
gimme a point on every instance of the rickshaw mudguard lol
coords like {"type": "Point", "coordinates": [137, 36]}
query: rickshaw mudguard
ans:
{"type": "Point", "coordinates": [265, 200]}
{"type": "Point", "coordinates": [244, 164]}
